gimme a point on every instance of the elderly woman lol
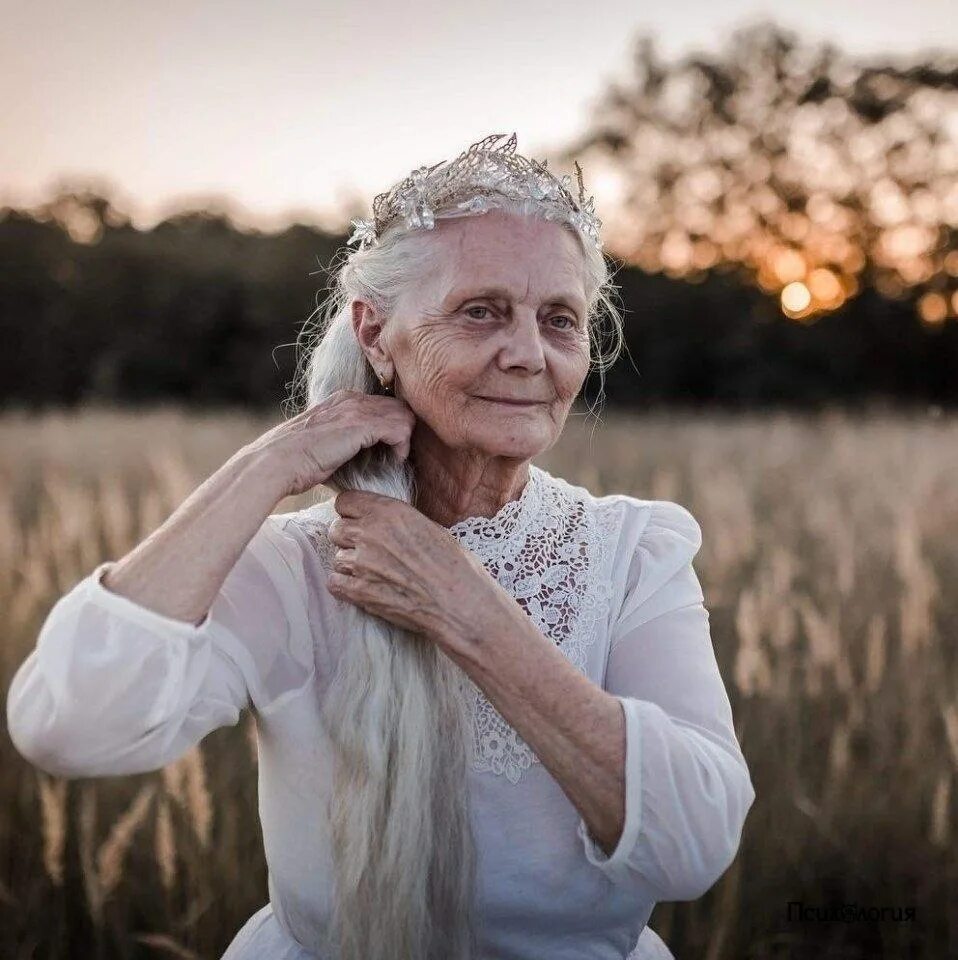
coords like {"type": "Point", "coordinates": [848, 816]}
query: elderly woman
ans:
{"type": "Point", "coordinates": [489, 717]}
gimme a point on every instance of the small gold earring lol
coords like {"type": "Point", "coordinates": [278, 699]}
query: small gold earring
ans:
{"type": "Point", "coordinates": [383, 384]}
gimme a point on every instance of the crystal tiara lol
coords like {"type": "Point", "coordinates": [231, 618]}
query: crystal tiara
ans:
{"type": "Point", "coordinates": [478, 178]}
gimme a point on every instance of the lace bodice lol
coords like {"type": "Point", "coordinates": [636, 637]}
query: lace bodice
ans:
{"type": "Point", "coordinates": [550, 549]}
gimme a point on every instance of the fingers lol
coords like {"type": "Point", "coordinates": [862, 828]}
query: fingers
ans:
{"type": "Point", "coordinates": [356, 503]}
{"type": "Point", "coordinates": [402, 449]}
{"type": "Point", "coordinates": [344, 561]}
{"type": "Point", "coordinates": [341, 533]}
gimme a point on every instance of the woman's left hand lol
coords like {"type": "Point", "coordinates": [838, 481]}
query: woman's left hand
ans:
{"type": "Point", "coordinates": [396, 563]}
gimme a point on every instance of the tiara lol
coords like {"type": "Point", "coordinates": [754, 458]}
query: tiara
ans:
{"type": "Point", "coordinates": [483, 174]}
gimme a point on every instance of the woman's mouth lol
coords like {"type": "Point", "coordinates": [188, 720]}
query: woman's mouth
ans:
{"type": "Point", "coordinates": [513, 403]}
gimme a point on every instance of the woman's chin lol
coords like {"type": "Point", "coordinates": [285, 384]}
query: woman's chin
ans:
{"type": "Point", "coordinates": [509, 440]}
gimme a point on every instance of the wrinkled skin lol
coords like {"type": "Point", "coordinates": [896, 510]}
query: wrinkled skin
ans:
{"type": "Point", "coordinates": [444, 349]}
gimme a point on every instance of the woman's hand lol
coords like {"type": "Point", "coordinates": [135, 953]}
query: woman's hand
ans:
{"type": "Point", "coordinates": [307, 449]}
{"type": "Point", "coordinates": [179, 569]}
{"type": "Point", "coordinates": [396, 563]}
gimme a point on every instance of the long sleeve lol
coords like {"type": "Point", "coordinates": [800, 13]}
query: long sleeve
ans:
{"type": "Point", "coordinates": [687, 785]}
{"type": "Point", "coordinates": [113, 687]}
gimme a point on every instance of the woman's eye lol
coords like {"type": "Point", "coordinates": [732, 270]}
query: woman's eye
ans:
{"type": "Point", "coordinates": [570, 321]}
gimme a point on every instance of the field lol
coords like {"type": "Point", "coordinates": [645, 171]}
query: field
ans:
{"type": "Point", "coordinates": [829, 566]}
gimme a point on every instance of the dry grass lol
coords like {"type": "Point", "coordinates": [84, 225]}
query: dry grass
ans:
{"type": "Point", "coordinates": [828, 564]}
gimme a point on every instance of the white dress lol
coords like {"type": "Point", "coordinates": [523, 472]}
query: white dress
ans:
{"type": "Point", "coordinates": [115, 688]}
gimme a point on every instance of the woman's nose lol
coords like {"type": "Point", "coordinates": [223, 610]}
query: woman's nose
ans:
{"type": "Point", "coordinates": [523, 342]}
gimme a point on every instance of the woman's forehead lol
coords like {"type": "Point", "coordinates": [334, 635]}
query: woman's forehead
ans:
{"type": "Point", "coordinates": [510, 271]}
{"type": "Point", "coordinates": [503, 231]}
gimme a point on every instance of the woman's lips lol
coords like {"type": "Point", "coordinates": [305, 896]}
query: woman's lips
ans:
{"type": "Point", "coordinates": [514, 403]}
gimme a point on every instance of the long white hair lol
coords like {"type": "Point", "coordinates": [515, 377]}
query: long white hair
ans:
{"type": "Point", "coordinates": [397, 712]}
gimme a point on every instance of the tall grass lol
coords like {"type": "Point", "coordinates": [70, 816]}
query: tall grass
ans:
{"type": "Point", "coordinates": [829, 568]}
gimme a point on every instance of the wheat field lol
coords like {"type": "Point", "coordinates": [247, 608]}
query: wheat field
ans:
{"type": "Point", "coordinates": [829, 566]}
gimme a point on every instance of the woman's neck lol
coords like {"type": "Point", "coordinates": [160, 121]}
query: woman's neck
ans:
{"type": "Point", "coordinates": [454, 484]}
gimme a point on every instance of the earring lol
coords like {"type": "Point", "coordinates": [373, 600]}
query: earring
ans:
{"type": "Point", "coordinates": [382, 382]}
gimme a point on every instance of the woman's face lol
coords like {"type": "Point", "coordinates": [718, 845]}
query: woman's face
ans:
{"type": "Point", "coordinates": [502, 317]}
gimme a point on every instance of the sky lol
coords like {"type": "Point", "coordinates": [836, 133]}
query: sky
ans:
{"type": "Point", "coordinates": [288, 109]}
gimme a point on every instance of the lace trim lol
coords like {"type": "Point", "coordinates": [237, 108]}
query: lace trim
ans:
{"type": "Point", "coordinates": [548, 549]}
{"type": "Point", "coordinates": [551, 564]}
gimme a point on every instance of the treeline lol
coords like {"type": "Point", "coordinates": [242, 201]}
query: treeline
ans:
{"type": "Point", "coordinates": [788, 215]}
{"type": "Point", "coordinates": [199, 312]}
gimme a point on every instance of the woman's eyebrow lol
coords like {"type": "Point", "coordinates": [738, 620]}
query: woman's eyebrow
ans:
{"type": "Point", "coordinates": [567, 300]}
{"type": "Point", "coordinates": [468, 293]}
{"type": "Point", "coordinates": [563, 299]}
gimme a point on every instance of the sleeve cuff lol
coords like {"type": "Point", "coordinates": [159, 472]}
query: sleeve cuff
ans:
{"type": "Point", "coordinates": [615, 864]}
{"type": "Point", "coordinates": [158, 624]}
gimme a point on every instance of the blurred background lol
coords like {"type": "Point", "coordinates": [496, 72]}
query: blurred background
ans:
{"type": "Point", "coordinates": [779, 193]}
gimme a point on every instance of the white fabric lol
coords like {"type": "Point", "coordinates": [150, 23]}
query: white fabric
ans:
{"type": "Point", "coordinates": [114, 688]}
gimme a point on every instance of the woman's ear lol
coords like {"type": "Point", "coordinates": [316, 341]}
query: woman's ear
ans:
{"type": "Point", "coordinates": [368, 327]}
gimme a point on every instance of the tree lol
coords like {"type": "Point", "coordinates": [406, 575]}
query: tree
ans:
{"type": "Point", "coordinates": [811, 173]}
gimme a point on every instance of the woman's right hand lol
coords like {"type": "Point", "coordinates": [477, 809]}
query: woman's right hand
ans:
{"type": "Point", "coordinates": [308, 448]}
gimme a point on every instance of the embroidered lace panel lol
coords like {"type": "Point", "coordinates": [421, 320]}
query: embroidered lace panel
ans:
{"type": "Point", "coordinates": [549, 549]}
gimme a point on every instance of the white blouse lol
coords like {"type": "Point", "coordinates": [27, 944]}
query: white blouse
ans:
{"type": "Point", "coordinates": [114, 688]}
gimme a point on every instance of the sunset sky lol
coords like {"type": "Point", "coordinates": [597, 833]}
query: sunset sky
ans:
{"type": "Point", "coordinates": [285, 108]}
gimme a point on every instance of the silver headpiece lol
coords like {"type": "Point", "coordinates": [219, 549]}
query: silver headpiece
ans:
{"type": "Point", "coordinates": [479, 177]}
